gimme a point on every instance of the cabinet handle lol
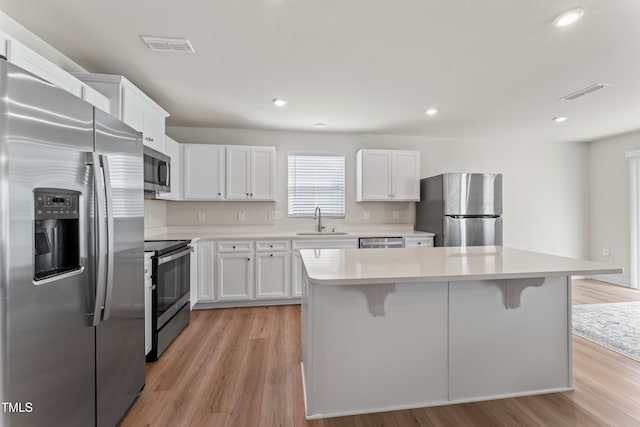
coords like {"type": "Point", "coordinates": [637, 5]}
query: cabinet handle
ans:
{"type": "Point", "coordinates": [270, 246]}
{"type": "Point", "coordinates": [247, 194]}
{"type": "Point", "coordinates": [419, 243]}
{"type": "Point", "coordinates": [219, 194]}
{"type": "Point", "coordinates": [271, 255]}
{"type": "Point", "coordinates": [248, 259]}
{"type": "Point", "coordinates": [251, 194]}
{"type": "Point", "coordinates": [233, 247]}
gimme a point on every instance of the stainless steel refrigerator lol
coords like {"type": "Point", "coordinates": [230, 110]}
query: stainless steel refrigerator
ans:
{"type": "Point", "coordinates": [462, 209]}
{"type": "Point", "coordinates": [71, 260]}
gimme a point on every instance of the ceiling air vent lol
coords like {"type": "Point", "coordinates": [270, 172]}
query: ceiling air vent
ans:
{"type": "Point", "coordinates": [168, 44]}
{"type": "Point", "coordinates": [584, 91]}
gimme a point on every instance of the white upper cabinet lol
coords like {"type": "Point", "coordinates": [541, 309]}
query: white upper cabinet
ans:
{"type": "Point", "coordinates": [174, 150]}
{"type": "Point", "coordinates": [203, 173]}
{"type": "Point", "coordinates": [25, 58]}
{"type": "Point", "coordinates": [132, 106]}
{"type": "Point", "coordinates": [387, 175]}
{"type": "Point", "coordinates": [405, 175]}
{"type": "Point", "coordinates": [250, 173]}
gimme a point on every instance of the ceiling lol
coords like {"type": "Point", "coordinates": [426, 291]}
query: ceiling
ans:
{"type": "Point", "coordinates": [495, 68]}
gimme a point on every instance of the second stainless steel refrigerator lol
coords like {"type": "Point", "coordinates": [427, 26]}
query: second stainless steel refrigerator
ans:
{"type": "Point", "coordinates": [462, 209]}
{"type": "Point", "coordinates": [71, 260]}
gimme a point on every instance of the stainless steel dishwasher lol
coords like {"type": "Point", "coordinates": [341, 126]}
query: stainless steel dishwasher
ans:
{"type": "Point", "coordinates": [381, 242]}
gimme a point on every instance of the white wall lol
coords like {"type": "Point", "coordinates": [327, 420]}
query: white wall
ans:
{"type": "Point", "coordinates": [545, 184]}
{"type": "Point", "coordinates": [609, 201]}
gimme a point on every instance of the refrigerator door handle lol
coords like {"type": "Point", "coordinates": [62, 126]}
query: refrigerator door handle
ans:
{"type": "Point", "coordinates": [101, 238]}
{"type": "Point", "coordinates": [110, 234]}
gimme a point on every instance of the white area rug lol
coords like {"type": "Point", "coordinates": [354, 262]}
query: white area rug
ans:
{"type": "Point", "coordinates": [615, 326]}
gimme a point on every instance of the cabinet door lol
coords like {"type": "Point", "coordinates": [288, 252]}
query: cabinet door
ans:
{"type": "Point", "coordinates": [203, 172]}
{"type": "Point", "coordinates": [235, 276]}
{"type": "Point", "coordinates": [205, 271]}
{"type": "Point", "coordinates": [238, 173]}
{"type": "Point", "coordinates": [405, 175]}
{"type": "Point", "coordinates": [132, 109]}
{"type": "Point", "coordinates": [375, 175]}
{"type": "Point", "coordinates": [193, 273]}
{"type": "Point", "coordinates": [153, 134]}
{"type": "Point", "coordinates": [173, 150]}
{"type": "Point", "coordinates": [296, 275]}
{"type": "Point", "coordinates": [272, 275]}
{"type": "Point", "coordinates": [263, 165]}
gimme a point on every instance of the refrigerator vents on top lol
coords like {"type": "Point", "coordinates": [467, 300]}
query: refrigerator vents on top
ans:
{"type": "Point", "coordinates": [462, 209]}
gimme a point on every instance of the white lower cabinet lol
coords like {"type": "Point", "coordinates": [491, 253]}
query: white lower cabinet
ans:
{"type": "Point", "coordinates": [235, 276]}
{"type": "Point", "coordinates": [205, 271]}
{"type": "Point", "coordinates": [296, 275]}
{"type": "Point", "coordinates": [418, 241]}
{"type": "Point", "coordinates": [272, 275]}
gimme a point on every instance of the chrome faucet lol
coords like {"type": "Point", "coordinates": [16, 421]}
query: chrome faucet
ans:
{"type": "Point", "coordinates": [318, 214]}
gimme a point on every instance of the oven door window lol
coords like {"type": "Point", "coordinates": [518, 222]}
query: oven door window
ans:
{"type": "Point", "coordinates": [173, 282]}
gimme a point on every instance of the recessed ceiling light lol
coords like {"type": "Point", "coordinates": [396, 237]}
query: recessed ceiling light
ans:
{"type": "Point", "coordinates": [319, 125]}
{"type": "Point", "coordinates": [568, 17]}
{"type": "Point", "coordinates": [431, 111]}
{"type": "Point", "coordinates": [560, 119]}
{"type": "Point", "coordinates": [279, 102]}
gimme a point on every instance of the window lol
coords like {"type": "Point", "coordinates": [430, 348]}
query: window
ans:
{"type": "Point", "coordinates": [316, 180]}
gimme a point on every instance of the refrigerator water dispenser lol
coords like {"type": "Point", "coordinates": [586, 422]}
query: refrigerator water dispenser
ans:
{"type": "Point", "coordinates": [56, 232]}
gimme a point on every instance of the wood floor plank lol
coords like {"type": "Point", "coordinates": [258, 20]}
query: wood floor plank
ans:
{"type": "Point", "coordinates": [240, 367]}
{"type": "Point", "coordinates": [247, 396]}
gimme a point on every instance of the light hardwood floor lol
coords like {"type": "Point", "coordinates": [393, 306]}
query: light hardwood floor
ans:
{"type": "Point", "coordinates": [240, 367]}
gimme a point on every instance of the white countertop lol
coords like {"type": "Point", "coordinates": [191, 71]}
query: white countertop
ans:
{"type": "Point", "coordinates": [270, 232]}
{"type": "Point", "coordinates": [420, 264]}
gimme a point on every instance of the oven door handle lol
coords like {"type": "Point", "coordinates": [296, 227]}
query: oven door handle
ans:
{"type": "Point", "coordinates": [180, 254]}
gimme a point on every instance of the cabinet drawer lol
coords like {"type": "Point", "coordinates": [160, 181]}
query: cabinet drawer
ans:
{"type": "Point", "coordinates": [235, 246]}
{"type": "Point", "coordinates": [272, 245]}
{"type": "Point", "coordinates": [418, 241]}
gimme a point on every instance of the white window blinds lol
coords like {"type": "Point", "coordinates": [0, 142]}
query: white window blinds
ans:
{"type": "Point", "coordinates": [316, 180]}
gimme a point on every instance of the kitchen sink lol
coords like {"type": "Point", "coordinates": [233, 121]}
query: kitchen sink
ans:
{"type": "Point", "coordinates": [321, 233]}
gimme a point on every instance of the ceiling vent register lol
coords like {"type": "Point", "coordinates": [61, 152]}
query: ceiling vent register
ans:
{"type": "Point", "coordinates": [168, 44]}
{"type": "Point", "coordinates": [584, 91]}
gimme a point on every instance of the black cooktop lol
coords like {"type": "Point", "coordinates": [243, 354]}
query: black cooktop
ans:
{"type": "Point", "coordinates": [161, 247]}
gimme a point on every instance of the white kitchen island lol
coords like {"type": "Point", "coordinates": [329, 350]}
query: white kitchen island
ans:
{"type": "Point", "coordinates": [390, 329]}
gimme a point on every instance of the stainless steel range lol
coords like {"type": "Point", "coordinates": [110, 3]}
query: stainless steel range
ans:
{"type": "Point", "coordinates": [171, 277]}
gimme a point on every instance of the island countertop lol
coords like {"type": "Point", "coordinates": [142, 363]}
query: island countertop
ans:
{"type": "Point", "coordinates": [420, 264]}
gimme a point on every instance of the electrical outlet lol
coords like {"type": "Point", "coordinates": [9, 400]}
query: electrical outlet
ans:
{"type": "Point", "coordinates": [396, 214]}
{"type": "Point", "coordinates": [606, 252]}
{"type": "Point", "coordinates": [366, 216]}
{"type": "Point", "coordinates": [242, 215]}
{"type": "Point", "coordinates": [275, 215]}
{"type": "Point", "coordinates": [201, 216]}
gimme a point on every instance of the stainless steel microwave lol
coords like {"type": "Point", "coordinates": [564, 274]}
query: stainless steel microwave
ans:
{"type": "Point", "coordinates": [157, 171]}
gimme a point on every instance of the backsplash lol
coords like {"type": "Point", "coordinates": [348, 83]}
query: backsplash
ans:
{"type": "Point", "coordinates": [273, 213]}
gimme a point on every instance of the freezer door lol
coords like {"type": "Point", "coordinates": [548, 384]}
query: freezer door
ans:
{"type": "Point", "coordinates": [46, 338]}
{"type": "Point", "coordinates": [120, 354]}
{"type": "Point", "coordinates": [472, 194]}
{"type": "Point", "coordinates": [471, 232]}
